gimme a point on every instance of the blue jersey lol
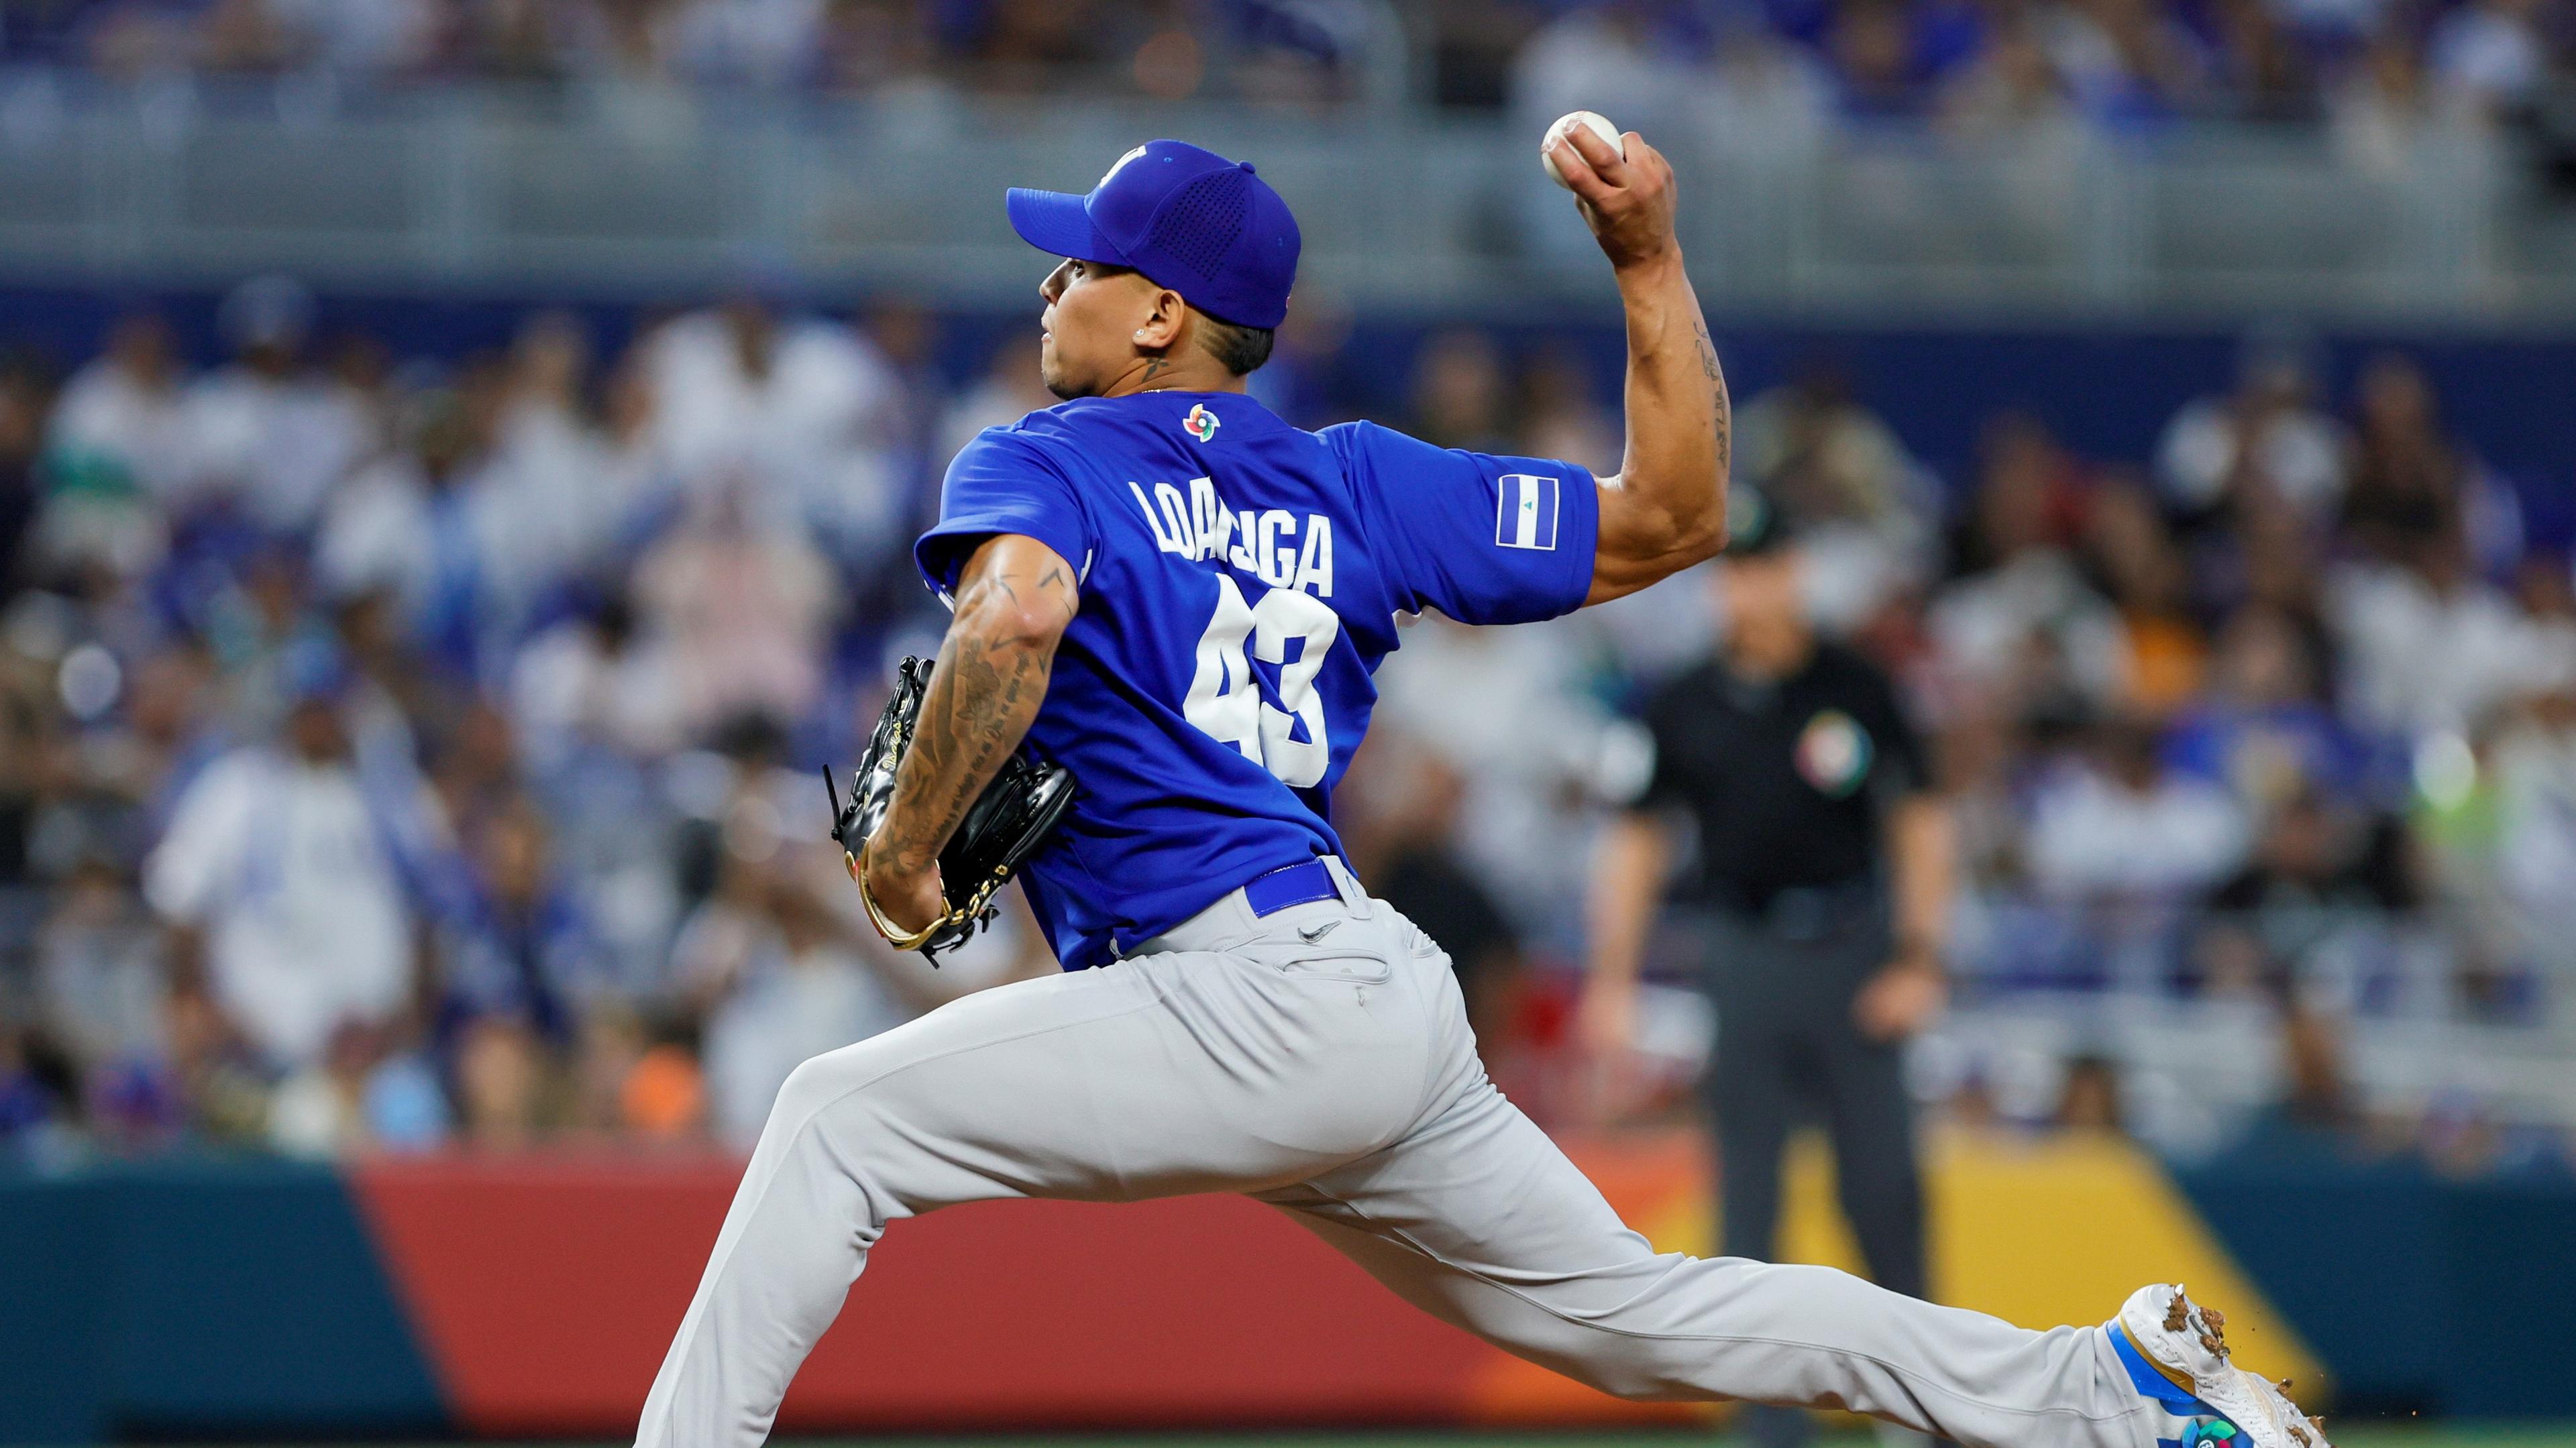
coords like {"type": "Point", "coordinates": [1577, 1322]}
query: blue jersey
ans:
{"type": "Point", "coordinates": [1240, 579]}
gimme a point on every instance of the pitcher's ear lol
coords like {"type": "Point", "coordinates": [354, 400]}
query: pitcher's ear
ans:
{"type": "Point", "coordinates": [1163, 324]}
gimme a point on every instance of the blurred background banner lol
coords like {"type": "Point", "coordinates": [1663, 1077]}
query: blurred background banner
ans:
{"type": "Point", "coordinates": [530, 1294]}
{"type": "Point", "coordinates": [458, 460]}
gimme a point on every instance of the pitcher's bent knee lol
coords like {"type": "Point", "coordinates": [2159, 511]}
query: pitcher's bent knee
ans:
{"type": "Point", "coordinates": [816, 1084]}
{"type": "Point", "coordinates": [851, 1087]}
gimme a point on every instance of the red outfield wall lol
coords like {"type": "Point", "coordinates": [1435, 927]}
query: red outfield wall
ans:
{"type": "Point", "coordinates": [545, 1290]}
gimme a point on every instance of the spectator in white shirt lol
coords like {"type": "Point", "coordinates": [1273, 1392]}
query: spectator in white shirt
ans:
{"type": "Point", "coordinates": [803, 410]}
{"type": "Point", "coordinates": [2268, 434]}
{"type": "Point", "coordinates": [122, 412]}
{"type": "Point", "coordinates": [2426, 648]}
{"type": "Point", "coordinates": [267, 433]}
{"type": "Point", "coordinates": [2120, 826]}
{"type": "Point", "coordinates": [281, 866]}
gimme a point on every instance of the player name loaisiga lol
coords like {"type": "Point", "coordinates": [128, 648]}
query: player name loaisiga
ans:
{"type": "Point", "coordinates": [1271, 543]}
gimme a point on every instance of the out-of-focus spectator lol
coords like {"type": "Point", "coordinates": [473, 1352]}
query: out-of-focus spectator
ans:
{"type": "Point", "coordinates": [2261, 66]}
{"type": "Point", "coordinates": [2090, 1099]}
{"type": "Point", "coordinates": [759, 43]}
{"type": "Point", "coordinates": [22, 430]}
{"type": "Point", "coordinates": [524, 953]}
{"type": "Point", "coordinates": [2316, 868]}
{"type": "Point", "coordinates": [280, 877]}
{"type": "Point", "coordinates": [1562, 419]}
{"type": "Point", "coordinates": [790, 414]}
{"type": "Point", "coordinates": [269, 433]}
{"type": "Point", "coordinates": [2385, 110]}
{"type": "Point", "coordinates": [1762, 99]}
{"type": "Point", "coordinates": [2535, 770]}
{"type": "Point", "coordinates": [1009, 390]}
{"type": "Point", "coordinates": [738, 606]}
{"type": "Point", "coordinates": [1461, 390]}
{"type": "Point", "coordinates": [1506, 707]}
{"type": "Point", "coordinates": [1872, 44]}
{"type": "Point", "coordinates": [2143, 572]}
{"type": "Point", "coordinates": [2491, 51]}
{"type": "Point", "coordinates": [2268, 435]}
{"type": "Point", "coordinates": [1863, 506]}
{"type": "Point", "coordinates": [405, 526]}
{"type": "Point", "coordinates": [2263, 730]}
{"type": "Point", "coordinates": [1307, 379]}
{"type": "Point", "coordinates": [118, 448]}
{"type": "Point", "coordinates": [780, 977]}
{"type": "Point", "coordinates": [2116, 825]}
{"type": "Point", "coordinates": [2023, 625]}
{"type": "Point", "coordinates": [2426, 645]}
{"type": "Point", "coordinates": [501, 1082]}
{"type": "Point", "coordinates": [1405, 847]}
{"type": "Point", "coordinates": [2127, 62]}
{"type": "Point", "coordinates": [1600, 57]}
{"type": "Point", "coordinates": [551, 505]}
{"type": "Point", "coordinates": [867, 44]}
{"type": "Point", "coordinates": [2317, 1108]}
{"type": "Point", "coordinates": [2412, 486]}
{"type": "Point", "coordinates": [103, 982]}
{"type": "Point", "coordinates": [2010, 88]}
{"type": "Point", "coordinates": [589, 682]}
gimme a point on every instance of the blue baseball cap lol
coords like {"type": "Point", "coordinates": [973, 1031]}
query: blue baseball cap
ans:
{"type": "Point", "coordinates": [1188, 219]}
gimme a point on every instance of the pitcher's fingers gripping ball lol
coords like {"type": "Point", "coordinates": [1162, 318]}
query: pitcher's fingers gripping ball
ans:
{"type": "Point", "coordinates": [1622, 186]}
{"type": "Point", "coordinates": [1593, 121]}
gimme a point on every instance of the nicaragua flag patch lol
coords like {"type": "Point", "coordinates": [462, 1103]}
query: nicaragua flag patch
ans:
{"type": "Point", "coordinates": [1525, 513]}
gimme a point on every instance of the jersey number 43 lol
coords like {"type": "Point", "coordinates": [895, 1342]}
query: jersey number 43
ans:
{"type": "Point", "coordinates": [1225, 697]}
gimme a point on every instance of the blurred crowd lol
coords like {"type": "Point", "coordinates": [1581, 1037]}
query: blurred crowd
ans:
{"type": "Point", "coordinates": [2267, 739]}
{"type": "Point", "coordinates": [396, 753]}
{"type": "Point", "coordinates": [1978, 62]}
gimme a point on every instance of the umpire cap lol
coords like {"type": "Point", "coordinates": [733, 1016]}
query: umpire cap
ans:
{"type": "Point", "coordinates": [1755, 526]}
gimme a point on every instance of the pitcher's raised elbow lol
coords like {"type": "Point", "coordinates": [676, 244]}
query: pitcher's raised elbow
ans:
{"type": "Point", "coordinates": [1703, 537]}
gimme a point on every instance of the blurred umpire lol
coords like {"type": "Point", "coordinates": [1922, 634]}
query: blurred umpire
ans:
{"type": "Point", "coordinates": [1823, 875]}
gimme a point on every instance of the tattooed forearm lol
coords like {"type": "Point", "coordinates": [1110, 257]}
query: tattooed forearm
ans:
{"type": "Point", "coordinates": [1013, 605]}
{"type": "Point", "coordinates": [1716, 378]}
{"type": "Point", "coordinates": [1667, 508]}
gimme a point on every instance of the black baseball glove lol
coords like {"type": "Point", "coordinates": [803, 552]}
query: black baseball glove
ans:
{"type": "Point", "coordinates": [1005, 824]}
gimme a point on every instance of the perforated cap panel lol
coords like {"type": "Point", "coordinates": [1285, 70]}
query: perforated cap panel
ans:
{"type": "Point", "coordinates": [1202, 222]}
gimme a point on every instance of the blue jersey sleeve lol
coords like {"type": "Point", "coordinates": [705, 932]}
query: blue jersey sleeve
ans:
{"type": "Point", "coordinates": [1483, 539]}
{"type": "Point", "coordinates": [1003, 482]}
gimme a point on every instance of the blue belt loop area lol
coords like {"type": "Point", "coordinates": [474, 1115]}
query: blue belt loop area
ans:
{"type": "Point", "coordinates": [1302, 884]}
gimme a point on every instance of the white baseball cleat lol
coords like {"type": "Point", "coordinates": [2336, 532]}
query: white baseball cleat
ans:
{"type": "Point", "coordinates": [2187, 1344]}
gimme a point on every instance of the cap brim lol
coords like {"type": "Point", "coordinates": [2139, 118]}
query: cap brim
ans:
{"type": "Point", "coordinates": [1055, 223]}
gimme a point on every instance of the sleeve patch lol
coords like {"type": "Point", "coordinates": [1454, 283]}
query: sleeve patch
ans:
{"type": "Point", "coordinates": [1525, 512]}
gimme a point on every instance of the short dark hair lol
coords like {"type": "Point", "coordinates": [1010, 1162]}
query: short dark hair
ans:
{"type": "Point", "coordinates": [1241, 349]}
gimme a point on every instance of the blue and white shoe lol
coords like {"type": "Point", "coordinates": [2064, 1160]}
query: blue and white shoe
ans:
{"type": "Point", "coordinates": [2176, 1352]}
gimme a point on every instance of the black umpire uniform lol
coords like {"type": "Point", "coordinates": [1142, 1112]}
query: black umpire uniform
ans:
{"type": "Point", "coordinates": [1791, 772]}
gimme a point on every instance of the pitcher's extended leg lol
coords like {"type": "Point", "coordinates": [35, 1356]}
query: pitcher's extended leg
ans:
{"type": "Point", "coordinates": [1174, 1073]}
{"type": "Point", "coordinates": [1477, 1218]}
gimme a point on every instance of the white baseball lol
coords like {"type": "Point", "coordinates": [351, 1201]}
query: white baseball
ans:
{"type": "Point", "coordinates": [1593, 121]}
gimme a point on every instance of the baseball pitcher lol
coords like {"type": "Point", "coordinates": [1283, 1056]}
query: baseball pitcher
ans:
{"type": "Point", "coordinates": [1170, 598]}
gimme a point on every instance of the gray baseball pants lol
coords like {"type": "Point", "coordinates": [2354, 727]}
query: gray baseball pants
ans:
{"type": "Point", "coordinates": [1317, 1059]}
